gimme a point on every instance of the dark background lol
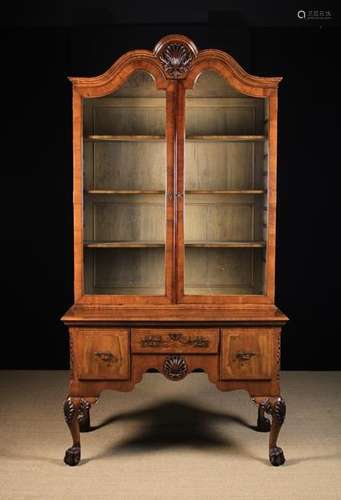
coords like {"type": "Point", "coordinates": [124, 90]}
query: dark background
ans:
{"type": "Point", "coordinates": [42, 44]}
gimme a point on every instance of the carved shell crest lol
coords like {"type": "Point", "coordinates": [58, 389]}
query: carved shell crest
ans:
{"type": "Point", "coordinates": [175, 367]}
{"type": "Point", "coordinates": [176, 59]}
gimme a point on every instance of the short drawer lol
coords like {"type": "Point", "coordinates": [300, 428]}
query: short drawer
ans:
{"type": "Point", "coordinates": [247, 354]}
{"type": "Point", "coordinates": [101, 354]}
{"type": "Point", "coordinates": [174, 340]}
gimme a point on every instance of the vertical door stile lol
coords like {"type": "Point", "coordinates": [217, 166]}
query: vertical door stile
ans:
{"type": "Point", "coordinates": [170, 190]}
{"type": "Point", "coordinates": [272, 195]}
{"type": "Point", "coordinates": [180, 153]}
{"type": "Point", "coordinates": [78, 194]}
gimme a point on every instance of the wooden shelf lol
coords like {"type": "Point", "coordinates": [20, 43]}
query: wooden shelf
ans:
{"type": "Point", "coordinates": [124, 244]}
{"type": "Point", "coordinates": [113, 138]}
{"type": "Point", "coordinates": [189, 191]}
{"type": "Point", "coordinates": [152, 138]}
{"type": "Point", "coordinates": [225, 191]}
{"type": "Point", "coordinates": [222, 290]}
{"type": "Point", "coordinates": [160, 244]}
{"type": "Point", "coordinates": [125, 191]}
{"type": "Point", "coordinates": [216, 138]}
{"type": "Point", "coordinates": [225, 244]}
{"type": "Point", "coordinates": [231, 138]}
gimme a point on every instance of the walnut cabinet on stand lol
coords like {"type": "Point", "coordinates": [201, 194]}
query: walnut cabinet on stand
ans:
{"type": "Point", "coordinates": [174, 230]}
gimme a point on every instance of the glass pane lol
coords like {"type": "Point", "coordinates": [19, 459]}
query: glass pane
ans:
{"type": "Point", "coordinates": [124, 190]}
{"type": "Point", "coordinates": [226, 165]}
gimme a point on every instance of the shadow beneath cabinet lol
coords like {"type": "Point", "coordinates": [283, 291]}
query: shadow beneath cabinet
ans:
{"type": "Point", "coordinates": [173, 424]}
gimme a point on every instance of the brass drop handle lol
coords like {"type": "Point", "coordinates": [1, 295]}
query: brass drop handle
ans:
{"type": "Point", "coordinates": [151, 341]}
{"type": "Point", "coordinates": [107, 357]}
{"type": "Point", "coordinates": [175, 337]}
{"type": "Point", "coordinates": [198, 341]}
{"type": "Point", "coordinates": [244, 356]}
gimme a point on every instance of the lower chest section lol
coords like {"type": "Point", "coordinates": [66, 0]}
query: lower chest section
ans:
{"type": "Point", "coordinates": [121, 355]}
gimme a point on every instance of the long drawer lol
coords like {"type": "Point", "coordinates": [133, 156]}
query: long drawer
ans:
{"type": "Point", "coordinates": [174, 340]}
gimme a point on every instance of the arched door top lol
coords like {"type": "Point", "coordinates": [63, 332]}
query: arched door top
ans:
{"type": "Point", "coordinates": [176, 57]}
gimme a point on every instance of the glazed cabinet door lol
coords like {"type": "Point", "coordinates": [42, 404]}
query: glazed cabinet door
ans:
{"type": "Point", "coordinates": [247, 353]}
{"type": "Point", "coordinates": [127, 180]}
{"type": "Point", "coordinates": [223, 202]}
{"type": "Point", "coordinates": [101, 354]}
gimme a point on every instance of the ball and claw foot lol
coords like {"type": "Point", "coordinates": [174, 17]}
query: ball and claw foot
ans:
{"type": "Point", "coordinates": [72, 455]}
{"type": "Point", "coordinates": [276, 456]}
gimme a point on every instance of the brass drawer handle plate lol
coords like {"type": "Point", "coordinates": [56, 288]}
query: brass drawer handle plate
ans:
{"type": "Point", "coordinates": [243, 356]}
{"type": "Point", "coordinates": [174, 338]}
{"type": "Point", "coordinates": [175, 367]}
{"type": "Point", "coordinates": [106, 357]}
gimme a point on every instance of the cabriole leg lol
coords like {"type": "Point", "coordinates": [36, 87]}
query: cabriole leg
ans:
{"type": "Point", "coordinates": [71, 411]}
{"type": "Point", "coordinates": [277, 409]}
